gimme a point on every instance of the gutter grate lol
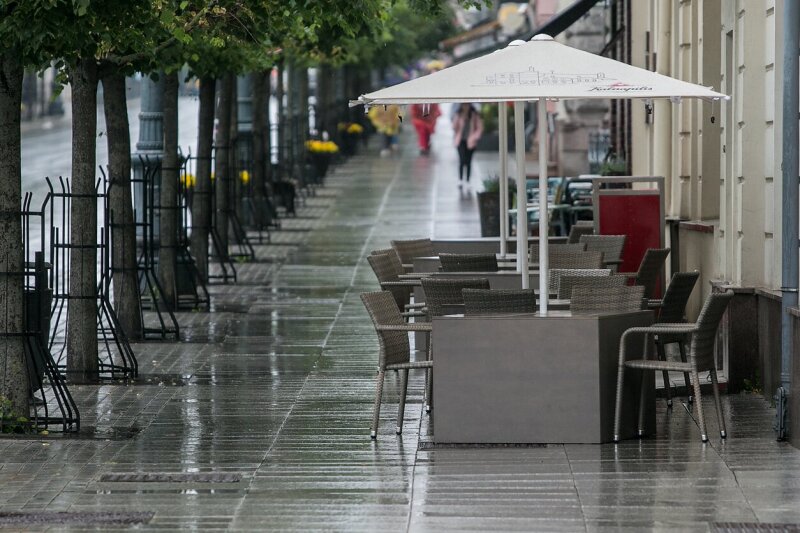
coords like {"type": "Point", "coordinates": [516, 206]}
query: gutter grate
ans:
{"type": "Point", "coordinates": [173, 477]}
{"type": "Point", "coordinates": [753, 527]}
{"type": "Point", "coordinates": [80, 518]}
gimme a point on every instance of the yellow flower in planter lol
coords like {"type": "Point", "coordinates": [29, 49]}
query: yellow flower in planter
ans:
{"type": "Point", "coordinates": [355, 129]}
{"type": "Point", "coordinates": [321, 147]}
{"type": "Point", "coordinates": [188, 180]}
{"type": "Point", "coordinates": [244, 177]}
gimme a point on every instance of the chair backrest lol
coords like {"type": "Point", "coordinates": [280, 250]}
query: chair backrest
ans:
{"type": "Point", "coordinates": [488, 302]}
{"type": "Point", "coordinates": [650, 269]}
{"type": "Point", "coordinates": [575, 259]}
{"type": "Point", "coordinates": [392, 253]}
{"type": "Point", "coordinates": [383, 267]}
{"type": "Point", "coordinates": [673, 305]}
{"type": "Point", "coordinates": [557, 273]}
{"type": "Point", "coordinates": [569, 283]}
{"type": "Point", "coordinates": [441, 292]}
{"type": "Point", "coordinates": [702, 347]}
{"type": "Point", "coordinates": [577, 230]}
{"type": "Point", "coordinates": [468, 262]}
{"type": "Point", "coordinates": [610, 245]}
{"type": "Point", "coordinates": [556, 250]}
{"type": "Point", "coordinates": [409, 249]}
{"type": "Point", "coordinates": [394, 346]}
{"type": "Point", "coordinates": [612, 299]}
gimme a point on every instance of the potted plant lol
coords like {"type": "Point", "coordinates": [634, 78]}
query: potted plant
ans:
{"type": "Point", "coordinates": [350, 133]}
{"type": "Point", "coordinates": [489, 205]}
{"type": "Point", "coordinates": [614, 166]}
{"type": "Point", "coordinates": [320, 153]}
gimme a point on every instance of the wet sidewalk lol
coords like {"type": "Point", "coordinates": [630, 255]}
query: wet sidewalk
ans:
{"type": "Point", "coordinates": [259, 420]}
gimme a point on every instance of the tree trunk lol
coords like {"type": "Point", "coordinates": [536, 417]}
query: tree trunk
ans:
{"type": "Point", "coordinates": [127, 300]}
{"type": "Point", "coordinates": [281, 125]}
{"type": "Point", "coordinates": [14, 383]}
{"type": "Point", "coordinates": [222, 164]}
{"type": "Point", "coordinates": [234, 183]}
{"type": "Point", "coordinates": [170, 174]}
{"type": "Point", "coordinates": [201, 203]}
{"type": "Point", "coordinates": [82, 364]}
{"type": "Point", "coordinates": [260, 134]}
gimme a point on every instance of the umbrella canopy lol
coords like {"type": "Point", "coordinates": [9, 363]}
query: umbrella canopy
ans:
{"type": "Point", "coordinates": [539, 69]}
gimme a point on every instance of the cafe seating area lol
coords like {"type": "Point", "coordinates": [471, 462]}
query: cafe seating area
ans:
{"type": "Point", "coordinates": [594, 312]}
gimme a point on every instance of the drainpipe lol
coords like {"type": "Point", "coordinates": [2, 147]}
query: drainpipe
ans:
{"type": "Point", "coordinates": [790, 205]}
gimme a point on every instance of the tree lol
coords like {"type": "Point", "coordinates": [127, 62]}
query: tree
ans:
{"type": "Point", "coordinates": [170, 174]}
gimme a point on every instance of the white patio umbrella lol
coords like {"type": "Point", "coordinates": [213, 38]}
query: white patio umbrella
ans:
{"type": "Point", "coordinates": [539, 69]}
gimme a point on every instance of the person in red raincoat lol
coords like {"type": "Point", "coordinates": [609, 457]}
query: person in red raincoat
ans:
{"type": "Point", "coordinates": [424, 116]}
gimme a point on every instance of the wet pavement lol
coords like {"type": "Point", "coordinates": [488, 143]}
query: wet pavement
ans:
{"type": "Point", "coordinates": [259, 419]}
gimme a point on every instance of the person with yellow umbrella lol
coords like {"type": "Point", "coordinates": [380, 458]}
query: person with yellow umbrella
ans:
{"type": "Point", "coordinates": [386, 120]}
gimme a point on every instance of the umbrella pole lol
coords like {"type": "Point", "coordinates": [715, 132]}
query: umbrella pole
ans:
{"type": "Point", "coordinates": [502, 131]}
{"type": "Point", "coordinates": [522, 197]}
{"type": "Point", "coordinates": [544, 215]}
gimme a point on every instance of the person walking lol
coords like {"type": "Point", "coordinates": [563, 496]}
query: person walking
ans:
{"type": "Point", "coordinates": [424, 119]}
{"type": "Point", "coordinates": [386, 120]}
{"type": "Point", "coordinates": [468, 128]}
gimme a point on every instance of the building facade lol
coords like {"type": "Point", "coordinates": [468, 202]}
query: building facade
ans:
{"type": "Point", "coordinates": [722, 161]}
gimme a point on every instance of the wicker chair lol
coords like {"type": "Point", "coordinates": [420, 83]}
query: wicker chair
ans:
{"type": "Point", "coordinates": [409, 249]}
{"type": "Point", "coordinates": [394, 350]}
{"type": "Point", "coordinates": [576, 259]}
{"type": "Point", "coordinates": [557, 273]}
{"type": "Point", "coordinates": [555, 250]}
{"type": "Point", "coordinates": [442, 292]}
{"type": "Point", "coordinates": [650, 269]}
{"type": "Point", "coordinates": [468, 262]}
{"type": "Point", "coordinates": [612, 300]}
{"type": "Point", "coordinates": [672, 309]}
{"type": "Point", "coordinates": [396, 261]}
{"type": "Point", "coordinates": [578, 230]}
{"type": "Point", "coordinates": [701, 358]}
{"type": "Point", "coordinates": [491, 302]}
{"type": "Point", "coordinates": [569, 283]}
{"type": "Point", "coordinates": [610, 245]}
{"type": "Point", "coordinates": [385, 270]}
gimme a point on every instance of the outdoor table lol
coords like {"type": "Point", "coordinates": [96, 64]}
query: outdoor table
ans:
{"type": "Point", "coordinates": [533, 379]}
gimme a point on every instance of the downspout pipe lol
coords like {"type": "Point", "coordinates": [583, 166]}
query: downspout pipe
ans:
{"type": "Point", "coordinates": [791, 201]}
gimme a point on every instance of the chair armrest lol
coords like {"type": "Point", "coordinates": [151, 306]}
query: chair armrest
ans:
{"type": "Point", "coordinates": [410, 314]}
{"type": "Point", "coordinates": [416, 326]}
{"type": "Point", "coordinates": [414, 276]}
{"type": "Point", "coordinates": [406, 283]}
{"type": "Point", "coordinates": [654, 303]}
{"type": "Point", "coordinates": [416, 305]}
{"type": "Point", "coordinates": [629, 275]}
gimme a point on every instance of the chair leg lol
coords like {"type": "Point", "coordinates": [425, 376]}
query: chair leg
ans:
{"type": "Point", "coordinates": [402, 407]}
{"type": "Point", "coordinates": [618, 404]}
{"type": "Point", "coordinates": [701, 421]}
{"type": "Point", "coordinates": [376, 410]}
{"type": "Point", "coordinates": [664, 373]}
{"type": "Point", "coordinates": [682, 349]}
{"type": "Point", "coordinates": [429, 378]}
{"type": "Point", "coordinates": [642, 398]}
{"type": "Point", "coordinates": [723, 433]}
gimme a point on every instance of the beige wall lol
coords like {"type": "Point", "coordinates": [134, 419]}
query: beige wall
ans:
{"type": "Point", "coordinates": [724, 173]}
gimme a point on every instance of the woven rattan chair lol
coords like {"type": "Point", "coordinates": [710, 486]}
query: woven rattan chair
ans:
{"type": "Point", "coordinates": [385, 270]}
{"type": "Point", "coordinates": [556, 250]}
{"type": "Point", "coordinates": [672, 310]}
{"type": "Point", "coordinates": [468, 262]}
{"type": "Point", "coordinates": [557, 273]}
{"type": "Point", "coordinates": [568, 283]}
{"type": "Point", "coordinates": [610, 245]}
{"type": "Point", "coordinates": [611, 300]}
{"type": "Point", "coordinates": [701, 358]}
{"type": "Point", "coordinates": [394, 350]}
{"type": "Point", "coordinates": [409, 249]}
{"type": "Point", "coordinates": [650, 269]}
{"type": "Point", "coordinates": [576, 259]}
{"type": "Point", "coordinates": [491, 302]}
{"type": "Point", "coordinates": [442, 292]}
{"type": "Point", "coordinates": [577, 230]}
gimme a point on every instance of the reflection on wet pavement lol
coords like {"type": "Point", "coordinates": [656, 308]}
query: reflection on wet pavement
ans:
{"type": "Point", "coordinates": [274, 389]}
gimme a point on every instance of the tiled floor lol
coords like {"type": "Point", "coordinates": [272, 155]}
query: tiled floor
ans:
{"type": "Point", "coordinates": [278, 386]}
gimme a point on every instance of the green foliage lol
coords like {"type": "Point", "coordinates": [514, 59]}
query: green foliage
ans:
{"type": "Point", "coordinates": [10, 421]}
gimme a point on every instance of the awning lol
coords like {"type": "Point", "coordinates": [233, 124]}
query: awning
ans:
{"type": "Point", "coordinates": [553, 27]}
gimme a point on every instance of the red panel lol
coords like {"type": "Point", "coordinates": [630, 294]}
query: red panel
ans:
{"type": "Point", "coordinates": [636, 215]}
